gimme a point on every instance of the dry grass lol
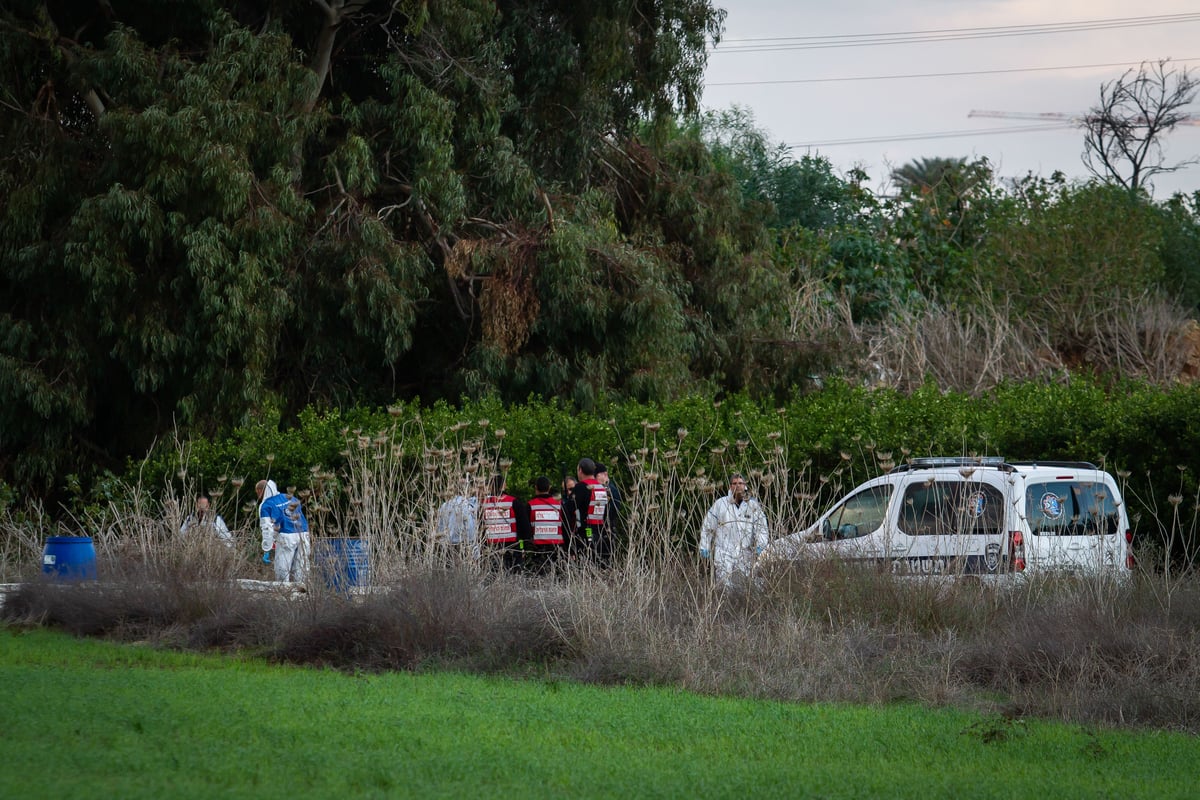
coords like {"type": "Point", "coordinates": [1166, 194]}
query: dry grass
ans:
{"type": "Point", "coordinates": [1072, 650]}
{"type": "Point", "coordinates": [1088, 651]}
{"type": "Point", "coordinates": [973, 349]}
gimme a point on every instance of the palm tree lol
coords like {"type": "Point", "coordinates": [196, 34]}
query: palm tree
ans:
{"type": "Point", "coordinates": [924, 174]}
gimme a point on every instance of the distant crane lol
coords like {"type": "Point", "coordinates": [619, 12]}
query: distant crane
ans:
{"type": "Point", "coordinates": [1059, 116]}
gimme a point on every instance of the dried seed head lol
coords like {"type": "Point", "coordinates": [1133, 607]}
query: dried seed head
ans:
{"type": "Point", "coordinates": [653, 426]}
{"type": "Point", "coordinates": [363, 442]}
{"type": "Point", "coordinates": [500, 433]}
{"type": "Point", "coordinates": [773, 435]}
{"type": "Point", "coordinates": [222, 479]}
{"type": "Point", "coordinates": [742, 444]}
{"type": "Point", "coordinates": [716, 451]}
{"type": "Point", "coordinates": [844, 455]}
{"type": "Point", "coordinates": [381, 440]}
{"type": "Point", "coordinates": [395, 411]}
{"type": "Point", "coordinates": [216, 493]}
{"type": "Point", "coordinates": [681, 434]}
{"type": "Point", "coordinates": [238, 483]}
{"type": "Point", "coordinates": [1175, 499]}
{"type": "Point", "coordinates": [781, 412]}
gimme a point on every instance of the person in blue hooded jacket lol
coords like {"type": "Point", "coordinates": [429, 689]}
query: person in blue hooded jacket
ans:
{"type": "Point", "coordinates": [284, 528]}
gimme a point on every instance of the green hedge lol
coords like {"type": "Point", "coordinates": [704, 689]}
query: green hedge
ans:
{"type": "Point", "coordinates": [1146, 434]}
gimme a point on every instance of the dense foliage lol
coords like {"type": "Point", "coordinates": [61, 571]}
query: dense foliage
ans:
{"type": "Point", "coordinates": [829, 441]}
{"type": "Point", "coordinates": [225, 214]}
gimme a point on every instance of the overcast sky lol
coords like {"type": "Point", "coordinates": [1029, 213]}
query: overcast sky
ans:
{"type": "Point", "coordinates": [759, 65]}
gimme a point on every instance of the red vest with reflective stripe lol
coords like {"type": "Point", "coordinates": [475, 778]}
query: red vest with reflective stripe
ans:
{"type": "Point", "coordinates": [598, 503]}
{"type": "Point", "coordinates": [499, 519]}
{"type": "Point", "coordinates": [545, 515]}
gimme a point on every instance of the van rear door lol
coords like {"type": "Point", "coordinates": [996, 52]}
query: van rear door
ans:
{"type": "Point", "coordinates": [1074, 523]}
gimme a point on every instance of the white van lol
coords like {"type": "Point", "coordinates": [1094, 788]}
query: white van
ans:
{"type": "Point", "coordinates": [975, 516]}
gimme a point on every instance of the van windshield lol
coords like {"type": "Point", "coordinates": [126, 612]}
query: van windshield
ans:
{"type": "Point", "coordinates": [1071, 508]}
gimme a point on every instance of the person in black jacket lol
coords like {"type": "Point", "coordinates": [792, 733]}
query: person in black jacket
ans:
{"type": "Point", "coordinates": [612, 518]}
{"type": "Point", "coordinates": [506, 527]}
{"type": "Point", "coordinates": [585, 511]}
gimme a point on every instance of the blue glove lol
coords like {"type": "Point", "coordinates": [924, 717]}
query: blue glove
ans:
{"type": "Point", "coordinates": [267, 557]}
{"type": "Point", "coordinates": [704, 552]}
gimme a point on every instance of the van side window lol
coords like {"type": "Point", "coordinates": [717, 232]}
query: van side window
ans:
{"type": "Point", "coordinates": [942, 508]}
{"type": "Point", "coordinates": [860, 514]}
{"type": "Point", "coordinates": [1071, 508]}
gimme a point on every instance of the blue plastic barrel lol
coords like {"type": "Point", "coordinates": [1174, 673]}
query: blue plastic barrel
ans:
{"type": "Point", "coordinates": [345, 564]}
{"type": "Point", "coordinates": [70, 558]}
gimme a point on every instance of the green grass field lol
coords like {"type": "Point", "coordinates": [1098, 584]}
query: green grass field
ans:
{"type": "Point", "coordinates": [86, 718]}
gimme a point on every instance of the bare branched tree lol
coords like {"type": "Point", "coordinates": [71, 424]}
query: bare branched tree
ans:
{"type": "Point", "coordinates": [1124, 134]}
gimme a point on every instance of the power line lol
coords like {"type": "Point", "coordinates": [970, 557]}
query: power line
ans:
{"type": "Point", "coordinates": [932, 135]}
{"type": "Point", "coordinates": [941, 74]}
{"type": "Point", "coordinates": [773, 44]}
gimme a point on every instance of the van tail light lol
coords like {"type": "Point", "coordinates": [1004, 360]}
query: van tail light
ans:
{"type": "Point", "coordinates": [1130, 561]}
{"type": "Point", "coordinates": [1016, 549]}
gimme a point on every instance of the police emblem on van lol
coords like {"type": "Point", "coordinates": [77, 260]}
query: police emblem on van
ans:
{"type": "Point", "coordinates": [976, 505]}
{"type": "Point", "coordinates": [1051, 505]}
{"type": "Point", "coordinates": [991, 556]}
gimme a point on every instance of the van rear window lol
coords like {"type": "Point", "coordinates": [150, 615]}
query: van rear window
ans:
{"type": "Point", "coordinates": [1071, 508]}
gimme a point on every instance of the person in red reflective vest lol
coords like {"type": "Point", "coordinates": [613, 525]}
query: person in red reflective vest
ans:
{"type": "Point", "coordinates": [546, 522]}
{"type": "Point", "coordinates": [506, 526]}
{"type": "Point", "coordinates": [586, 510]}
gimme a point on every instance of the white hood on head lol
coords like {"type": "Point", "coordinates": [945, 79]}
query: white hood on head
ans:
{"type": "Point", "coordinates": [270, 490]}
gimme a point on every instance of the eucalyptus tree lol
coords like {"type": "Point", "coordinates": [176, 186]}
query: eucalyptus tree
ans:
{"type": "Point", "coordinates": [227, 208]}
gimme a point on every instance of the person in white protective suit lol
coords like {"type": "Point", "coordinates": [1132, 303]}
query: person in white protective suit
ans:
{"type": "Point", "coordinates": [456, 527]}
{"type": "Point", "coordinates": [733, 533]}
{"type": "Point", "coordinates": [205, 521]}
{"type": "Point", "coordinates": [284, 528]}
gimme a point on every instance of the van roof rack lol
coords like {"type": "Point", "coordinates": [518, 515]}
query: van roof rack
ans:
{"type": "Point", "coordinates": [935, 462]}
{"type": "Point", "coordinates": [1062, 464]}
